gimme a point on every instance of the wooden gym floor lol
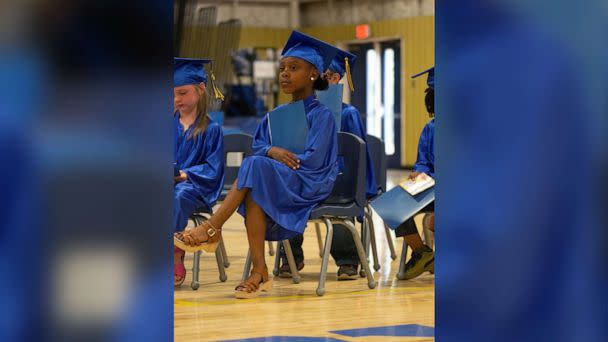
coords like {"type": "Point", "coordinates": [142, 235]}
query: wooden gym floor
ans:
{"type": "Point", "coordinates": [402, 310]}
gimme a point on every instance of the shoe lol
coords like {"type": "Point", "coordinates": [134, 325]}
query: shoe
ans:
{"type": "Point", "coordinates": [285, 271]}
{"type": "Point", "coordinates": [265, 285]}
{"type": "Point", "coordinates": [347, 272]}
{"type": "Point", "coordinates": [421, 261]}
{"type": "Point", "coordinates": [179, 271]}
{"type": "Point", "coordinates": [209, 245]}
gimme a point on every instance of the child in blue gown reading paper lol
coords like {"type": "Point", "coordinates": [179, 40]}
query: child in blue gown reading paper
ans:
{"type": "Point", "coordinates": [276, 189]}
{"type": "Point", "coordinates": [198, 150]}
{"type": "Point", "coordinates": [423, 257]}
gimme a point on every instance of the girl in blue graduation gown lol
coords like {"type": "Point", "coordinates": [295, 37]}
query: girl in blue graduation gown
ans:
{"type": "Point", "coordinates": [423, 257]}
{"type": "Point", "coordinates": [343, 248]}
{"type": "Point", "coordinates": [276, 189]}
{"type": "Point", "coordinates": [199, 151]}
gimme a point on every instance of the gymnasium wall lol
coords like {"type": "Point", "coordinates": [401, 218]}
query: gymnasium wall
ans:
{"type": "Point", "coordinates": [417, 46]}
{"type": "Point", "coordinates": [417, 36]}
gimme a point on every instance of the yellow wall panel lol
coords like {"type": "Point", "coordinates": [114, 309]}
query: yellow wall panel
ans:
{"type": "Point", "coordinates": [418, 51]}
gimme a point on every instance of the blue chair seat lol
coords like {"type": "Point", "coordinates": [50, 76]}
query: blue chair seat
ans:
{"type": "Point", "coordinates": [335, 209]}
{"type": "Point", "coordinates": [336, 199]}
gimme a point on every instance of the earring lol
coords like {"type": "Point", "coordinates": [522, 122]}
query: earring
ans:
{"type": "Point", "coordinates": [312, 78]}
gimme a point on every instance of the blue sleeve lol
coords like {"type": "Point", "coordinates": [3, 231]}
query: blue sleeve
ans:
{"type": "Point", "coordinates": [351, 122]}
{"type": "Point", "coordinates": [210, 174]}
{"type": "Point", "coordinates": [423, 164]}
{"type": "Point", "coordinates": [322, 138]}
{"type": "Point", "coordinates": [261, 139]}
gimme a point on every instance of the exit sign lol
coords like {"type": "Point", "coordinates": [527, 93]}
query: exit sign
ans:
{"type": "Point", "coordinates": [362, 31]}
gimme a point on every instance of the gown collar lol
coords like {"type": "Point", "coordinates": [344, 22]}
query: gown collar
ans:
{"type": "Point", "coordinates": [310, 101]}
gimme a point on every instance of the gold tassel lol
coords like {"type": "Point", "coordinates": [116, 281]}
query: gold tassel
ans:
{"type": "Point", "coordinates": [348, 75]}
{"type": "Point", "coordinates": [216, 91]}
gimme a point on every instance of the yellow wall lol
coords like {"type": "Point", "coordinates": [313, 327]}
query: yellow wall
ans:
{"type": "Point", "coordinates": [263, 37]}
{"type": "Point", "coordinates": [418, 51]}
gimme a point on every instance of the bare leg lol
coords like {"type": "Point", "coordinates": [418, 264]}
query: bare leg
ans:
{"type": "Point", "coordinates": [255, 222]}
{"type": "Point", "coordinates": [231, 203]}
{"type": "Point", "coordinates": [198, 234]}
{"type": "Point", "coordinates": [429, 221]}
{"type": "Point", "coordinates": [414, 241]}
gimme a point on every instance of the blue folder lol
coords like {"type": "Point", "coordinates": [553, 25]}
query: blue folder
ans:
{"type": "Point", "coordinates": [332, 99]}
{"type": "Point", "coordinates": [397, 205]}
{"type": "Point", "coordinates": [289, 127]}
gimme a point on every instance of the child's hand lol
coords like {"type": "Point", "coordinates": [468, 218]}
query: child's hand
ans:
{"type": "Point", "coordinates": [413, 175]}
{"type": "Point", "coordinates": [182, 176]}
{"type": "Point", "coordinates": [285, 157]}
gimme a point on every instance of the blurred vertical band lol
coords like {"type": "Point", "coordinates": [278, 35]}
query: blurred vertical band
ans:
{"type": "Point", "coordinates": [521, 93]}
{"type": "Point", "coordinates": [86, 158]}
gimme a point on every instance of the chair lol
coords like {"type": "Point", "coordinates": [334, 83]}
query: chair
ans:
{"type": "Point", "coordinates": [376, 150]}
{"type": "Point", "coordinates": [233, 143]}
{"type": "Point", "coordinates": [346, 202]}
{"type": "Point", "coordinates": [199, 216]}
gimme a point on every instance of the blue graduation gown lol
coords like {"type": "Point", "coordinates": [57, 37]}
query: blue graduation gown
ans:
{"type": "Point", "coordinates": [288, 196]}
{"type": "Point", "coordinates": [202, 159]}
{"type": "Point", "coordinates": [425, 162]}
{"type": "Point", "coordinates": [351, 123]}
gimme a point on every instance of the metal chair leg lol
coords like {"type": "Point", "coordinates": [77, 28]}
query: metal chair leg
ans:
{"type": "Point", "coordinates": [371, 283]}
{"type": "Point", "coordinates": [295, 275]}
{"type": "Point", "coordinates": [372, 235]}
{"type": "Point", "coordinates": [319, 238]}
{"type": "Point", "coordinates": [220, 264]}
{"type": "Point", "coordinates": [366, 243]}
{"type": "Point", "coordinates": [247, 267]}
{"type": "Point", "coordinates": [224, 254]}
{"type": "Point", "coordinates": [325, 259]}
{"type": "Point", "coordinates": [401, 273]}
{"type": "Point", "coordinates": [220, 256]}
{"type": "Point", "coordinates": [391, 244]}
{"type": "Point", "coordinates": [277, 260]}
{"type": "Point", "coordinates": [195, 270]}
{"type": "Point", "coordinates": [196, 258]}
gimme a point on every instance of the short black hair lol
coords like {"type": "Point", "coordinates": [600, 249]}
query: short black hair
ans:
{"type": "Point", "coordinates": [320, 83]}
{"type": "Point", "coordinates": [429, 100]}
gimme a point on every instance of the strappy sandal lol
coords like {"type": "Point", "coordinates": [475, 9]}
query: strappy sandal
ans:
{"type": "Point", "coordinates": [209, 245]}
{"type": "Point", "coordinates": [240, 292]}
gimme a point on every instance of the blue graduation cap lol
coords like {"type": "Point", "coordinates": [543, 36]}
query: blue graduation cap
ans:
{"type": "Point", "coordinates": [342, 63]}
{"type": "Point", "coordinates": [430, 81]}
{"type": "Point", "coordinates": [312, 50]}
{"type": "Point", "coordinates": [192, 71]}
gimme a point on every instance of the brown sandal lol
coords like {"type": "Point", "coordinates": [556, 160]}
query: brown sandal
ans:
{"type": "Point", "coordinates": [209, 245]}
{"type": "Point", "coordinates": [240, 292]}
